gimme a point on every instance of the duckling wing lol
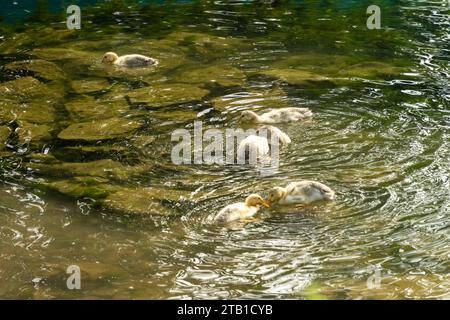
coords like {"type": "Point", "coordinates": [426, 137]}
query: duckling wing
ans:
{"type": "Point", "coordinates": [135, 60]}
{"type": "Point", "coordinates": [325, 191]}
{"type": "Point", "coordinates": [231, 212]}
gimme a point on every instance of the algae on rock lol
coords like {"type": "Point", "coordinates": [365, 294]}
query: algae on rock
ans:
{"type": "Point", "coordinates": [87, 108]}
{"type": "Point", "coordinates": [145, 201]}
{"type": "Point", "coordinates": [33, 134]}
{"type": "Point", "coordinates": [104, 129]}
{"type": "Point", "coordinates": [220, 73]}
{"type": "Point", "coordinates": [4, 135]}
{"type": "Point", "coordinates": [298, 77]}
{"type": "Point", "coordinates": [40, 69]}
{"type": "Point", "coordinates": [90, 85]}
{"type": "Point", "coordinates": [165, 94]}
{"type": "Point", "coordinates": [90, 187]}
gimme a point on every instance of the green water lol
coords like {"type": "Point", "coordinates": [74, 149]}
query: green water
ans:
{"type": "Point", "coordinates": [87, 177]}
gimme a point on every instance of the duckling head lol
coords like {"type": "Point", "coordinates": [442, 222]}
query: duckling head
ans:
{"type": "Point", "coordinates": [110, 57]}
{"type": "Point", "coordinates": [248, 117]}
{"type": "Point", "coordinates": [276, 194]}
{"type": "Point", "coordinates": [255, 200]}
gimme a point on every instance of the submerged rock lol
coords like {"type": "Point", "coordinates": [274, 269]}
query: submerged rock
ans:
{"type": "Point", "coordinates": [105, 129]}
{"type": "Point", "coordinates": [29, 100]}
{"type": "Point", "coordinates": [90, 85]}
{"type": "Point", "coordinates": [298, 77]}
{"type": "Point", "coordinates": [34, 112]}
{"type": "Point", "coordinates": [301, 68]}
{"type": "Point", "coordinates": [167, 94]}
{"type": "Point", "coordinates": [29, 89]}
{"type": "Point", "coordinates": [105, 168]}
{"type": "Point", "coordinates": [100, 168]}
{"type": "Point", "coordinates": [221, 74]}
{"type": "Point", "coordinates": [63, 54]}
{"type": "Point", "coordinates": [208, 46]}
{"type": "Point", "coordinates": [94, 188]}
{"type": "Point", "coordinates": [86, 108]}
{"type": "Point", "coordinates": [4, 135]}
{"type": "Point", "coordinates": [143, 141]}
{"type": "Point", "coordinates": [83, 153]}
{"type": "Point", "coordinates": [32, 133]}
{"type": "Point", "coordinates": [40, 69]}
{"type": "Point", "coordinates": [371, 70]}
{"type": "Point", "coordinates": [144, 200]}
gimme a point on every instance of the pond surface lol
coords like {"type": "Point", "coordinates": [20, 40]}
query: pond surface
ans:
{"type": "Point", "coordinates": [85, 151]}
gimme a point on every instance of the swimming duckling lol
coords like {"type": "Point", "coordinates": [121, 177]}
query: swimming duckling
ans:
{"type": "Point", "coordinates": [276, 116]}
{"type": "Point", "coordinates": [272, 131]}
{"type": "Point", "coordinates": [241, 210]}
{"type": "Point", "coordinates": [129, 60]}
{"type": "Point", "coordinates": [252, 149]}
{"type": "Point", "coordinates": [302, 192]}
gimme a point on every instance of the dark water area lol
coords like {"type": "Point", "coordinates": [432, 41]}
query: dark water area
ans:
{"type": "Point", "coordinates": [86, 176]}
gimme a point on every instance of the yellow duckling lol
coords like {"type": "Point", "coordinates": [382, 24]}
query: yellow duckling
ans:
{"type": "Point", "coordinates": [129, 60]}
{"type": "Point", "coordinates": [241, 210]}
{"type": "Point", "coordinates": [276, 116]}
{"type": "Point", "coordinates": [302, 192]}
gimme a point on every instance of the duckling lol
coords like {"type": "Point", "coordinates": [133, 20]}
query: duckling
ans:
{"type": "Point", "coordinates": [253, 148]}
{"type": "Point", "coordinates": [241, 210]}
{"type": "Point", "coordinates": [129, 60]}
{"type": "Point", "coordinates": [272, 131]}
{"type": "Point", "coordinates": [276, 116]}
{"type": "Point", "coordinates": [302, 192]}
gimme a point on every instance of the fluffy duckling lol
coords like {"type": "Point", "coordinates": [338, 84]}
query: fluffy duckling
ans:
{"type": "Point", "coordinates": [129, 60]}
{"type": "Point", "coordinates": [241, 210]}
{"type": "Point", "coordinates": [272, 131]}
{"type": "Point", "coordinates": [302, 192]}
{"type": "Point", "coordinates": [276, 116]}
{"type": "Point", "coordinates": [253, 148]}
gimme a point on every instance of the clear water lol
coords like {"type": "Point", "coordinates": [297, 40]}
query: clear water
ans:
{"type": "Point", "coordinates": [381, 142]}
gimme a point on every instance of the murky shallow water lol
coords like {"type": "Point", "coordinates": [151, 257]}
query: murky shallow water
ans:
{"type": "Point", "coordinates": [379, 137]}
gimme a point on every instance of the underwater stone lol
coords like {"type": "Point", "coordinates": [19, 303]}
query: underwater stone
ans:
{"type": "Point", "coordinates": [143, 201]}
{"type": "Point", "coordinates": [165, 95]}
{"type": "Point", "coordinates": [371, 70]}
{"type": "Point", "coordinates": [82, 153]}
{"type": "Point", "coordinates": [207, 45]}
{"type": "Point", "coordinates": [34, 112]}
{"type": "Point", "coordinates": [100, 129]}
{"type": "Point", "coordinates": [221, 74]}
{"type": "Point", "coordinates": [40, 69]}
{"type": "Point", "coordinates": [86, 108]}
{"type": "Point", "coordinates": [59, 54]}
{"type": "Point", "coordinates": [29, 89]}
{"type": "Point", "coordinates": [298, 77]}
{"type": "Point", "coordinates": [143, 141]}
{"type": "Point", "coordinates": [95, 188]}
{"type": "Point", "coordinates": [90, 85]}
{"type": "Point", "coordinates": [105, 168]}
{"type": "Point", "coordinates": [32, 133]}
{"type": "Point", "coordinates": [101, 168]}
{"type": "Point", "coordinates": [4, 135]}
